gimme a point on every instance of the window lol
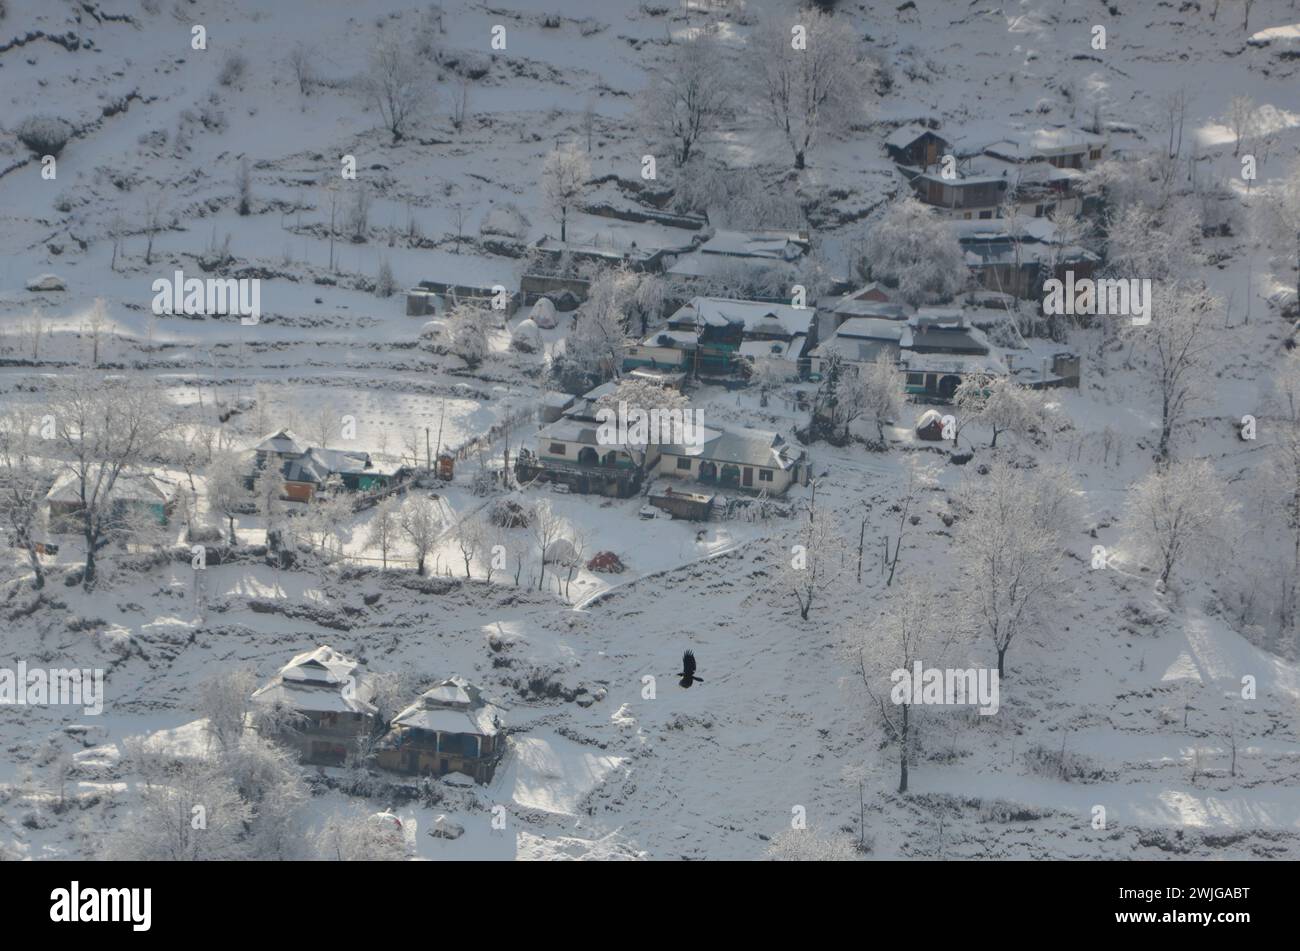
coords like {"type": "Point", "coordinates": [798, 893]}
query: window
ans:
{"type": "Point", "coordinates": [764, 475]}
{"type": "Point", "coordinates": [915, 379]}
{"type": "Point", "coordinates": [684, 464]}
{"type": "Point", "coordinates": [984, 214]}
{"type": "Point", "coordinates": [966, 216]}
{"type": "Point", "coordinates": [1094, 154]}
{"type": "Point", "coordinates": [557, 449]}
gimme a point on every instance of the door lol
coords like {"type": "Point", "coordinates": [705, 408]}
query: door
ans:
{"type": "Point", "coordinates": [748, 479]}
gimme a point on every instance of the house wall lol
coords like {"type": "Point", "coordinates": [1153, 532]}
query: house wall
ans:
{"type": "Point", "coordinates": [672, 465]}
{"type": "Point", "coordinates": [422, 753]}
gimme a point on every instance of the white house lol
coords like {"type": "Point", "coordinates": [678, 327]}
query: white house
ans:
{"type": "Point", "coordinates": [736, 458]}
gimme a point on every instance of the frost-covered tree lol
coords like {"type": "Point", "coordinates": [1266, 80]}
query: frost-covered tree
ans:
{"type": "Point", "coordinates": [470, 539]}
{"type": "Point", "coordinates": [1174, 349]}
{"type": "Point", "coordinates": [194, 814]}
{"type": "Point", "coordinates": [105, 428]}
{"type": "Point", "coordinates": [1280, 217]}
{"type": "Point", "coordinates": [1157, 244]}
{"type": "Point", "coordinates": [421, 524]}
{"type": "Point", "coordinates": [882, 392]}
{"type": "Point", "coordinates": [397, 83]}
{"type": "Point", "coordinates": [385, 528]}
{"type": "Point", "coordinates": [908, 629]}
{"type": "Point", "coordinates": [1008, 545]}
{"type": "Point", "coordinates": [269, 494]}
{"type": "Point", "coordinates": [767, 374]}
{"type": "Point", "coordinates": [25, 477]}
{"type": "Point", "coordinates": [565, 174]}
{"type": "Point", "coordinates": [1001, 404]}
{"type": "Point", "coordinates": [226, 490]}
{"type": "Point", "coordinates": [546, 527]}
{"type": "Point", "coordinates": [358, 839]}
{"type": "Point", "coordinates": [810, 77]}
{"type": "Point", "coordinates": [1243, 120]}
{"type": "Point", "coordinates": [686, 99]}
{"type": "Point", "coordinates": [1179, 513]}
{"type": "Point", "coordinates": [807, 563]}
{"type": "Point", "coordinates": [224, 701]}
{"type": "Point", "coordinates": [467, 334]}
{"type": "Point", "coordinates": [914, 249]}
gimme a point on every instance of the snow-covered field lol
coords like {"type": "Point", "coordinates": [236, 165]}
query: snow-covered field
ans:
{"type": "Point", "coordinates": [1174, 709]}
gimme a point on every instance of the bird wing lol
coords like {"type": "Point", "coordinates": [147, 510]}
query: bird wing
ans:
{"type": "Point", "coordinates": [688, 663]}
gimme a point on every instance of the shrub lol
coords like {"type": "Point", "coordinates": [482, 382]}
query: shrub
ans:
{"type": "Point", "coordinates": [232, 70]}
{"type": "Point", "coordinates": [44, 135]}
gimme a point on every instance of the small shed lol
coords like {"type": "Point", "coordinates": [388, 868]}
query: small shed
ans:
{"type": "Point", "coordinates": [930, 426]}
{"type": "Point", "coordinates": [446, 466]}
{"type": "Point", "coordinates": [694, 506]}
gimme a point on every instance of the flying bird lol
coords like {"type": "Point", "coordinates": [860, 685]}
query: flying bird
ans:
{"type": "Point", "coordinates": [688, 670]}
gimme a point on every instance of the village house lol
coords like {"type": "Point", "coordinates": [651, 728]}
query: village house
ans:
{"type": "Point", "coordinates": [749, 459]}
{"type": "Point", "coordinates": [871, 300]}
{"type": "Point", "coordinates": [309, 470]}
{"type": "Point", "coordinates": [569, 452]}
{"type": "Point", "coordinates": [1018, 264]}
{"type": "Point", "coordinates": [709, 336]}
{"type": "Point", "coordinates": [940, 350]}
{"type": "Point", "coordinates": [763, 262]}
{"type": "Point", "coordinates": [1039, 171]}
{"type": "Point", "coordinates": [134, 495]}
{"type": "Point", "coordinates": [449, 729]}
{"type": "Point", "coordinates": [915, 146]}
{"type": "Point", "coordinates": [321, 701]}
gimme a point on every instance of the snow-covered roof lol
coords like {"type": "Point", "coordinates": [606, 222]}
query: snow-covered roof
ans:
{"type": "Point", "coordinates": [780, 245]}
{"type": "Point", "coordinates": [872, 328]}
{"type": "Point", "coordinates": [790, 349]}
{"type": "Point", "coordinates": [129, 487]}
{"type": "Point", "coordinates": [319, 681]}
{"type": "Point", "coordinates": [756, 316]}
{"type": "Point", "coordinates": [284, 442]}
{"type": "Point", "coordinates": [905, 135]}
{"type": "Point", "coordinates": [750, 447]}
{"type": "Point", "coordinates": [453, 706]}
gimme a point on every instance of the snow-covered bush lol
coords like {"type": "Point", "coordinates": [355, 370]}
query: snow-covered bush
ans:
{"type": "Point", "coordinates": [918, 251]}
{"type": "Point", "coordinates": [232, 69]}
{"type": "Point", "coordinates": [43, 134]}
{"type": "Point", "coordinates": [385, 283]}
{"type": "Point", "coordinates": [506, 220]}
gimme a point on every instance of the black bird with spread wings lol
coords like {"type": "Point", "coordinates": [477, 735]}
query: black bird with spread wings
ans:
{"type": "Point", "coordinates": [688, 670]}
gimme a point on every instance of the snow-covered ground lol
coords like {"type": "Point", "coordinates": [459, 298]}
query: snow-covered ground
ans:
{"type": "Point", "coordinates": [1140, 690]}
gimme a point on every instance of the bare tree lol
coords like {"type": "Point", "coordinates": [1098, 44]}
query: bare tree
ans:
{"type": "Point", "coordinates": [546, 528]}
{"type": "Point", "coordinates": [226, 490]}
{"type": "Point", "coordinates": [1009, 549]}
{"type": "Point", "coordinates": [302, 63]}
{"type": "Point", "coordinates": [105, 428]}
{"type": "Point", "coordinates": [225, 701]}
{"type": "Point", "coordinates": [95, 323]}
{"type": "Point", "coordinates": [565, 174]}
{"type": "Point", "coordinates": [1242, 119]}
{"type": "Point", "coordinates": [1175, 347]}
{"type": "Point", "coordinates": [807, 566]}
{"type": "Point", "coordinates": [385, 528]}
{"type": "Point", "coordinates": [686, 99]}
{"type": "Point", "coordinates": [908, 631]}
{"type": "Point", "coordinates": [25, 476]}
{"type": "Point", "coordinates": [396, 84]}
{"type": "Point", "coordinates": [811, 77]}
{"type": "Point", "coordinates": [1180, 512]}
{"type": "Point", "coordinates": [1001, 404]}
{"type": "Point", "coordinates": [421, 524]}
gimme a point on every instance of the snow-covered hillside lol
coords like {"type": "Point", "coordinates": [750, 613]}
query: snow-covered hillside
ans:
{"type": "Point", "coordinates": [1172, 707]}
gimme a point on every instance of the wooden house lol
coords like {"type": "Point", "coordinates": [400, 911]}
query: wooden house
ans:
{"type": "Point", "coordinates": [449, 729]}
{"type": "Point", "coordinates": [134, 493]}
{"type": "Point", "coordinates": [323, 701]}
{"type": "Point", "coordinates": [916, 146]}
